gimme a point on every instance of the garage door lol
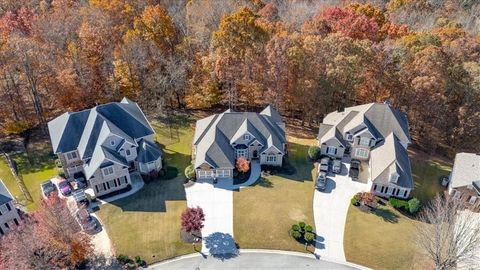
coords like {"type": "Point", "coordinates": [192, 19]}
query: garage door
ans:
{"type": "Point", "coordinates": [223, 173]}
{"type": "Point", "coordinates": [204, 174]}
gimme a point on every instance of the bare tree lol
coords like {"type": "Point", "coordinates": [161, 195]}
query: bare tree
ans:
{"type": "Point", "coordinates": [449, 235]}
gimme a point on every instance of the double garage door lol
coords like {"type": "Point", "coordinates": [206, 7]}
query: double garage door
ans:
{"type": "Point", "coordinates": [220, 173]}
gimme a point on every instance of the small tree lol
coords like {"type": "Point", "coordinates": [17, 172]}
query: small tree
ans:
{"type": "Point", "coordinates": [192, 219]}
{"type": "Point", "coordinates": [242, 165]}
{"type": "Point", "coordinates": [413, 205]}
{"type": "Point", "coordinates": [313, 152]}
{"type": "Point", "coordinates": [309, 236]}
{"type": "Point", "coordinates": [190, 172]}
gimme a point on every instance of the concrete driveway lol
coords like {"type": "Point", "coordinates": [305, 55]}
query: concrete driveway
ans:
{"type": "Point", "coordinates": [330, 209]}
{"type": "Point", "coordinates": [217, 205]}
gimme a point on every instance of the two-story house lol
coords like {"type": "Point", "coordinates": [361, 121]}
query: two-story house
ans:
{"type": "Point", "coordinates": [377, 135]}
{"type": "Point", "coordinates": [222, 138]}
{"type": "Point", "coordinates": [9, 217]}
{"type": "Point", "coordinates": [464, 182]}
{"type": "Point", "coordinates": [104, 144]}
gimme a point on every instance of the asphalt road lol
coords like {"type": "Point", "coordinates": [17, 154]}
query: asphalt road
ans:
{"type": "Point", "coordinates": [250, 261]}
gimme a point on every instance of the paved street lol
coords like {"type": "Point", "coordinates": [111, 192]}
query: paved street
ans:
{"type": "Point", "coordinates": [330, 209]}
{"type": "Point", "coordinates": [246, 260]}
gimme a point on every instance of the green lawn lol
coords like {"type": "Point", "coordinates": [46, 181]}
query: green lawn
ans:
{"type": "Point", "coordinates": [35, 167]}
{"type": "Point", "coordinates": [148, 223]}
{"type": "Point", "coordinates": [264, 213]}
{"type": "Point", "coordinates": [384, 240]}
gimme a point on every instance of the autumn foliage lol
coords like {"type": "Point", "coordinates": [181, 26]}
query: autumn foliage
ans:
{"type": "Point", "coordinates": [242, 164]}
{"type": "Point", "coordinates": [192, 219]}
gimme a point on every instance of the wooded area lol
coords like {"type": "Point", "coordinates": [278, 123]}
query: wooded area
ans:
{"type": "Point", "coordinates": [307, 58]}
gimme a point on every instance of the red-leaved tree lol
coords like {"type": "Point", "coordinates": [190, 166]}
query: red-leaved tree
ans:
{"type": "Point", "coordinates": [242, 164]}
{"type": "Point", "coordinates": [192, 219]}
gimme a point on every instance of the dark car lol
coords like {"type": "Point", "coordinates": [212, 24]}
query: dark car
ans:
{"type": "Point", "coordinates": [321, 183]}
{"type": "Point", "coordinates": [86, 221]}
{"type": "Point", "coordinates": [354, 169]}
{"type": "Point", "coordinates": [47, 188]}
{"type": "Point", "coordinates": [79, 182]}
{"type": "Point", "coordinates": [64, 187]}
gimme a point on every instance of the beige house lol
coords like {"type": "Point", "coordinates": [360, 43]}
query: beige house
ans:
{"type": "Point", "coordinates": [104, 144]}
{"type": "Point", "coordinates": [9, 217]}
{"type": "Point", "coordinates": [464, 181]}
{"type": "Point", "coordinates": [377, 135]}
{"type": "Point", "coordinates": [221, 139]}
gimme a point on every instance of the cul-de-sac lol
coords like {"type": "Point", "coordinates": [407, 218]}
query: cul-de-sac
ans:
{"type": "Point", "coordinates": [250, 134]}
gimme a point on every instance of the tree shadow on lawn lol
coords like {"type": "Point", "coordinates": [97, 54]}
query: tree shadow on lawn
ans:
{"type": "Point", "coordinates": [386, 214]}
{"type": "Point", "coordinates": [153, 196]}
{"type": "Point", "coordinates": [221, 246]}
{"type": "Point", "coordinates": [264, 182]}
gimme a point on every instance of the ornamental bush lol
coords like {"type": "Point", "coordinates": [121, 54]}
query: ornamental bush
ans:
{"type": "Point", "coordinates": [302, 224]}
{"type": "Point", "coordinates": [413, 205]}
{"type": "Point", "coordinates": [314, 152]}
{"type": "Point", "coordinates": [354, 200]}
{"type": "Point", "coordinates": [309, 236]}
{"type": "Point", "coordinates": [397, 203]}
{"type": "Point", "coordinates": [296, 234]}
{"type": "Point", "coordinates": [295, 227]}
{"type": "Point", "coordinates": [189, 172]}
{"type": "Point", "coordinates": [308, 228]}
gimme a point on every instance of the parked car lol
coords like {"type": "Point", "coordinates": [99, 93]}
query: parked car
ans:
{"type": "Point", "coordinates": [86, 221]}
{"type": "Point", "coordinates": [64, 187]}
{"type": "Point", "coordinates": [337, 166]}
{"type": "Point", "coordinates": [80, 197]}
{"type": "Point", "coordinates": [79, 182]}
{"type": "Point", "coordinates": [354, 169]}
{"type": "Point", "coordinates": [445, 180]}
{"type": "Point", "coordinates": [321, 183]}
{"type": "Point", "coordinates": [47, 188]}
{"type": "Point", "coordinates": [324, 164]}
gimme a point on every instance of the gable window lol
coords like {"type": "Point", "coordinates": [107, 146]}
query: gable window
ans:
{"type": "Point", "coordinates": [242, 153]}
{"type": "Point", "coordinates": [331, 150]}
{"type": "Point", "coordinates": [8, 207]}
{"type": "Point", "coordinates": [107, 171]}
{"type": "Point", "coordinates": [394, 177]}
{"type": "Point", "coordinates": [112, 142]}
{"type": "Point", "coordinates": [364, 141]}
{"type": "Point", "coordinates": [246, 137]}
{"type": "Point", "coordinates": [271, 158]}
{"type": "Point", "coordinates": [349, 137]}
{"type": "Point", "coordinates": [472, 199]}
{"type": "Point", "coordinates": [127, 152]}
{"type": "Point", "coordinates": [71, 155]}
{"type": "Point", "coordinates": [359, 152]}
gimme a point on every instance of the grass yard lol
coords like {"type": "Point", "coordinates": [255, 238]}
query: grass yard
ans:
{"type": "Point", "coordinates": [35, 168]}
{"type": "Point", "coordinates": [147, 223]}
{"type": "Point", "coordinates": [264, 213]}
{"type": "Point", "coordinates": [384, 240]}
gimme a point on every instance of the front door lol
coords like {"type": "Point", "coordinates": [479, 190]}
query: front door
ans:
{"type": "Point", "coordinates": [255, 154]}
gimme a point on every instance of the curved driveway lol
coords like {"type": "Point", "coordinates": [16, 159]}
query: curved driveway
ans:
{"type": "Point", "coordinates": [252, 260]}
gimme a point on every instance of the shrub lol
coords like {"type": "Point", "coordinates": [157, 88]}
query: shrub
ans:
{"type": "Point", "coordinates": [354, 200]}
{"type": "Point", "coordinates": [242, 165]}
{"type": "Point", "coordinates": [397, 203]}
{"type": "Point", "coordinates": [123, 259]}
{"type": "Point", "coordinates": [308, 228]}
{"type": "Point", "coordinates": [190, 172]}
{"type": "Point", "coordinates": [58, 163]}
{"type": "Point", "coordinates": [295, 227]}
{"type": "Point", "coordinates": [314, 152]}
{"type": "Point", "coordinates": [296, 234]}
{"type": "Point", "coordinates": [61, 172]}
{"type": "Point", "coordinates": [302, 225]}
{"type": "Point", "coordinates": [138, 260]}
{"type": "Point", "coordinates": [413, 205]}
{"type": "Point", "coordinates": [309, 236]}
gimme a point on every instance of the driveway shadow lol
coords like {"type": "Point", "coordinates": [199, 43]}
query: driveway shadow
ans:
{"type": "Point", "coordinates": [386, 214]}
{"type": "Point", "coordinates": [221, 246]}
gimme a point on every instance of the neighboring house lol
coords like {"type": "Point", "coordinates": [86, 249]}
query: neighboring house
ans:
{"type": "Point", "coordinates": [222, 138]}
{"type": "Point", "coordinates": [464, 182]}
{"type": "Point", "coordinates": [9, 217]}
{"type": "Point", "coordinates": [377, 135]}
{"type": "Point", "coordinates": [105, 143]}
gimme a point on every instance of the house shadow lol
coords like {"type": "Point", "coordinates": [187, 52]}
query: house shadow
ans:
{"type": "Point", "coordinates": [264, 182]}
{"type": "Point", "coordinates": [297, 167]}
{"type": "Point", "coordinates": [386, 214]}
{"type": "Point", "coordinates": [221, 246]}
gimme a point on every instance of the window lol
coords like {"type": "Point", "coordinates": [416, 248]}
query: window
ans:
{"type": "Point", "coordinates": [472, 200]}
{"type": "Point", "coordinates": [381, 191]}
{"type": "Point", "coordinates": [457, 194]}
{"type": "Point", "coordinates": [331, 150]}
{"type": "Point", "coordinates": [375, 187]}
{"type": "Point", "coordinates": [16, 222]}
{"type": "Point", "coordinates": [128, 152]}
{"type": "Point", "coordinates": [405, 194]}
{"type": "Point", "coordinates": [112, 142]}
{"type": "Point", "coordinates": [364, 141]}
{"type": "Point", "coordinates": [71, 155]}
{"type": "Point", "coordinates": [394, 177]}
{"type": "Point", "coordinates": [104, 186]}
{"type": "Point", "coordinates": [107, 171]}
{"type": "Point", "coordinates": [126, 180]}
{"type": "Point", "coordinates": [359, 152]}
{"type": "Point", "coordinates": [7, 226]}
{"type": "Point", "coordinates": [246, 137]}
{"type": "Point", "coordinates": [242, 153]}
{"type": "Point", "coordinates": [96, 187]}
{"type": "Point", "coordinates": [8, 207]}
{"type": "Point", "coordinates": [349, 137]}
{"type": "Point", "coordinates": [398, 191]}
{"type": "Point", "coordinates": [271, 158]}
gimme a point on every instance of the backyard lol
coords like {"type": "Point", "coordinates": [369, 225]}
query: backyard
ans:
{"type": "Point", "coordinates": [264, 213]}
{"type": "Point", "coordinates": [383, 239]}
{"type": "Point", "coordinates": [147, 223]}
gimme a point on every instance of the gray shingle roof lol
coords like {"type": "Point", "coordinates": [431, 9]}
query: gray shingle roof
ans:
{"type": "Point", "coordinates": [5, 195]}
{"type": "Point", "coordinates": [148, 151]}
{"type": "Point", "coordinates": [214, 134]}
{"type": "Point", "coordinates": [466, 170]}
{"type": "Point", "coordinates": [389, 157]}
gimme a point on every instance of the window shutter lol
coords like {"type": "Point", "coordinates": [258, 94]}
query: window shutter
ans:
{"type": "Point", "coordinates": [336, 151]}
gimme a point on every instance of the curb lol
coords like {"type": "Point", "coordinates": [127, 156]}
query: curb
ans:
{"type": "Point", "coordinates": [266, 251]}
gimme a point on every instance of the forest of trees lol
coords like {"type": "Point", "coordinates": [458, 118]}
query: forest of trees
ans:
{"type": "Point", "coordinates": [307, 58]}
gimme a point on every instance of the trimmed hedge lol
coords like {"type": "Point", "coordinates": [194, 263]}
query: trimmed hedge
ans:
{"type": "Point", "coordinates": [398, 203]}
